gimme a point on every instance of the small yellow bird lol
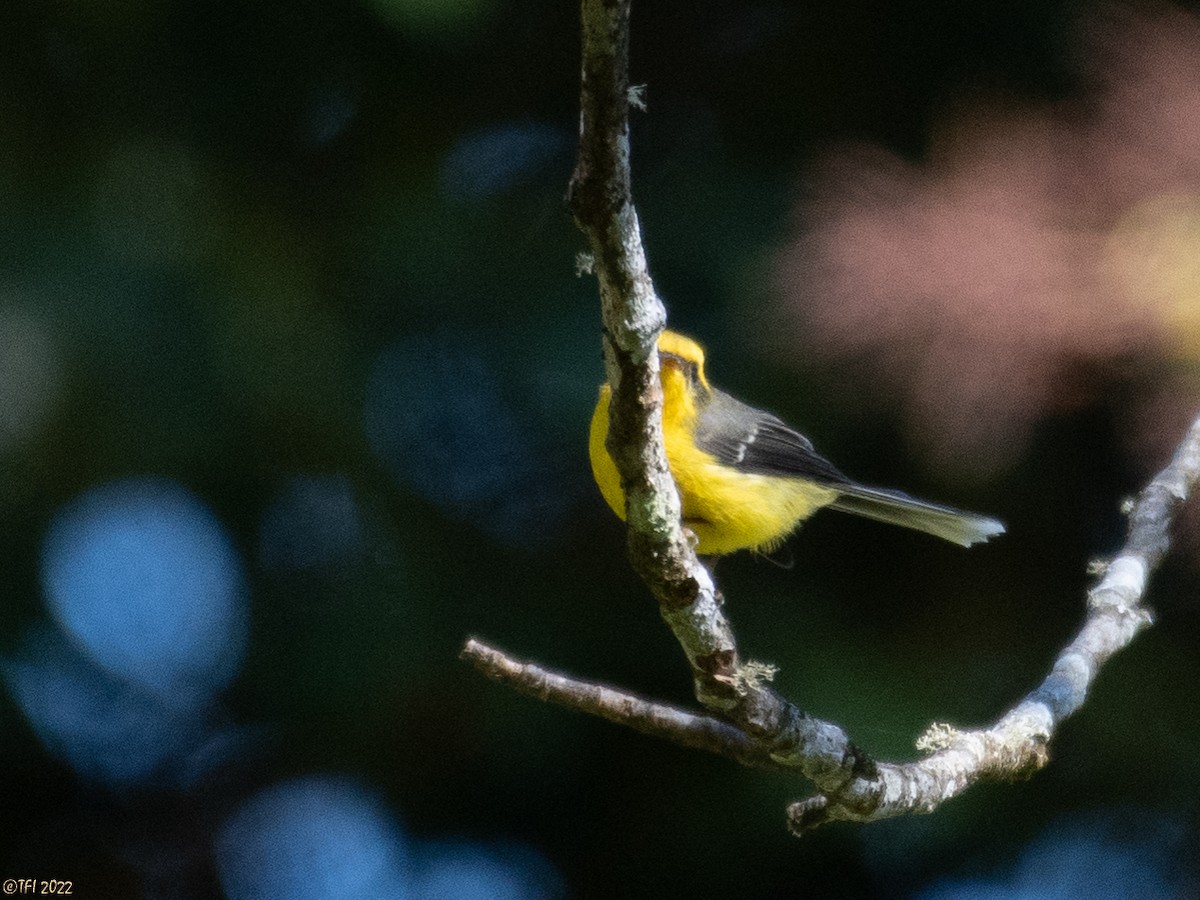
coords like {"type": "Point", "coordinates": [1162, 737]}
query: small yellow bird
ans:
{"type": "Point", "coordinates": [745, 479]}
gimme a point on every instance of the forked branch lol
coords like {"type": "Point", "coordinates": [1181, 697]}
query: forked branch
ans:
{"type": "Point", "coordinates": [747, 720]}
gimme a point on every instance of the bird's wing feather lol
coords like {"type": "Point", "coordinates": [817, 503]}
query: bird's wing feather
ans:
{"type": "Point", "coordinates": [757, 442]}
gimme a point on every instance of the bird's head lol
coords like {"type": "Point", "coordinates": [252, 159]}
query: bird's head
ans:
{"type": "Point", "coordinates": [681, 370]}
{"type": "Point", "coordinates": [679, 353]}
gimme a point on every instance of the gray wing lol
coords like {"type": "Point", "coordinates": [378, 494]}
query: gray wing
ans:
{"type": "Point", "coordinates": [757, 442]}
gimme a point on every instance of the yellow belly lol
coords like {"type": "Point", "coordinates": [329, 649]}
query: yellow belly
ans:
{"type": "Point", "coordinates": [727, 510]}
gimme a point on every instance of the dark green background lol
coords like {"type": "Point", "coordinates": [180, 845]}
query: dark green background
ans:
{"type": "Point", "coordinates": [229, 210]}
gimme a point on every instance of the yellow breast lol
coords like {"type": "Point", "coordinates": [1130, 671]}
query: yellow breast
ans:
{"type": "Point", "coordinates": [726, 509]}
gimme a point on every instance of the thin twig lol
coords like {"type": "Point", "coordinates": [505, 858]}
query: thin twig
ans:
{"type": "Point", "coordinates": [659, 720]}
{"type": "Point", "coordinates": [1016, 745]}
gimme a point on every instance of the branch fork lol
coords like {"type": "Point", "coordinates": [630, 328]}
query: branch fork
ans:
{"type": "Point", "coordinates": [744, 718]}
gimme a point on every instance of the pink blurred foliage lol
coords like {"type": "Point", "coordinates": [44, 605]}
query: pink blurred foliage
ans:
{"type": "Point", "coordinates": [983, 289]}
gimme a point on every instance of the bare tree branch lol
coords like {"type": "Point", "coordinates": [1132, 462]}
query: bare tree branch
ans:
{"type": "Point", "coordinates": [1016, 745]}
{"type": "Point", "coordinates": [752, 723]}
{"type": "Point", "coordinates": [601, 199]}
{"type": "Point", "coordinates": [602, 202]}
{"type": "Point", "coordinates": [688, 729]}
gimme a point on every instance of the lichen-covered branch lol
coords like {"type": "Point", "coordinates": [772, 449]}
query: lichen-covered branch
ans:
{"type": "Point", "coordinates": [602, 202]}
{"type": "Point", "coordinates": [749, 721]}
{"type": "Point", "coordinates": [853, 788]}
{"type": "Point", "coordinates": [1016, 745]}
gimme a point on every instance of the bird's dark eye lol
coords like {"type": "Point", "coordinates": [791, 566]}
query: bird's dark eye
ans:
{"type": "Point", "coordinates": [687, 366]}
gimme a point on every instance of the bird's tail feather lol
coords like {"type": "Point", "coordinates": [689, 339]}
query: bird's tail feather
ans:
{"type": "Point", "coordinates": [897, 508]}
